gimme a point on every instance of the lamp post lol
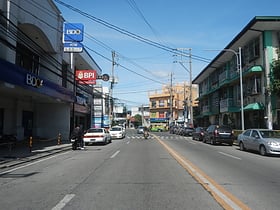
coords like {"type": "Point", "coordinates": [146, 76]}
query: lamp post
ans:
{"type": "Point", "coordinates": [239, 68]}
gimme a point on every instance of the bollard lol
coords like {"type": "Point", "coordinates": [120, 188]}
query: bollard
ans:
{"type": "Point", "coordinates": [30, 144]}
{"type": "Point", "coordinates": [59, 139]}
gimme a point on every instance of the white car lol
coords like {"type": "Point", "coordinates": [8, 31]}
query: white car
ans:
{"type": "Point", "coordinates": [117, 132]}
{"type": "Point", "coordinates": [97, 135]}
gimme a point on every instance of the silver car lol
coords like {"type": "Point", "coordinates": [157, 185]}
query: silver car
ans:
{"type": "Point", "coordinates": [264, 141]}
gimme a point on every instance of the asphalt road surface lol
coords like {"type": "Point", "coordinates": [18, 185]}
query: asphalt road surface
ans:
{"type": "Point", "coordinates": [164, 172]}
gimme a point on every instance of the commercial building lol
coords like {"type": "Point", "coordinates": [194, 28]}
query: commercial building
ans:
{"type": "Point", "coordinates": [39, 93]}
{"type": "Point", "coordinates": [173, 104]}
{"type": "Point", "coordinates": [238, 80]}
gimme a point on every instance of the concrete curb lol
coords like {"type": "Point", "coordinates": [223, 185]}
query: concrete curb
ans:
{"type": "Point", "coordinates": [38, 154]}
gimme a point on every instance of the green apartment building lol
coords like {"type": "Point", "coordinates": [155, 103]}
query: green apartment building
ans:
{"type": "Point", "coordinates": [242, 75]}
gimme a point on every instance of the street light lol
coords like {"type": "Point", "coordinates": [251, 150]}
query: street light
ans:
{"type": "Point", "coordinates": [239, 67]}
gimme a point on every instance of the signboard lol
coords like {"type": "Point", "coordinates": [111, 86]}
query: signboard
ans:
{"type": "Point", "coordinates": [86, 76]}
{"type": "Point", "coordinates": [73, 47]}
{"type": "Point", "coordinates": [73, 32]}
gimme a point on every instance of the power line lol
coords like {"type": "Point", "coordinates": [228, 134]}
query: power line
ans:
{"type": "Point", "coordinates": [132, 35]}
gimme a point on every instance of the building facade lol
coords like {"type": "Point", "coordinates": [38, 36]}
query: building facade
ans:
{"type": "Point", "coordinates": [173, 104]}
{"type": "Point", "coordinates": [242, 72]}
{"type": "Point", "coordinates": [39, 94]}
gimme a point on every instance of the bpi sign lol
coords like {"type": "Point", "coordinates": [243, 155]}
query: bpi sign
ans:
{"type": "Point", "coordinates": [86, 76]}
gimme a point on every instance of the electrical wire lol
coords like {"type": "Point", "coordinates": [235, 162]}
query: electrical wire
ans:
{"type": "Point", "coordinates": [130, 34]}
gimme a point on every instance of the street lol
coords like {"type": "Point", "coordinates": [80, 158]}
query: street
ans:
{"type": "Point", "coordinates": [164, 172]}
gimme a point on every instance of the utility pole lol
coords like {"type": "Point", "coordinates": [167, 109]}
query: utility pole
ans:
{"type": "Point", "coordinates": [111, 88]}
{"type": "Point", "coordinates": [190, 71]}
{"type": "Point", "coordinates": [181, 62]}
{"type": "Point", "coordinates": [171, 101]}
{"type": "Point", "coordinates": [184, 103]}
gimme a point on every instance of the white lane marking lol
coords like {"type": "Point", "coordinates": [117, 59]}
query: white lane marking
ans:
{"type": "Point", "coordinates": [127, 142]}
{"type": "Point", "coordinates": [67, 198]}
{"type": "Point", "coordinates": [230, 155]}
{"type": "Point", "coordinates": [115, 154]}
{"type": "Point", "coordinates": [33, 163]}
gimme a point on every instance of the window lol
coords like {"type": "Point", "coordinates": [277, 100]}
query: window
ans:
{"type": "Point", "coordinates": [27, 59]}
{"type": "Point", "coordinates": [254, 85]}
{"type": "Point", "coordinates": [154, 104]}
{"type": "Point", "coordinates": [161, 114]}
{"type": "Point", "coordinates": [247, 133]}
{"type": "Point", "coordinates": [1, 120]}
{"type": "Point", "coordinates": [64, 74]}
{"type": "Point", "coordinates": [251, 51]}
{"type": "Point", "coordinates": [161, 103]}
{"type": "Point", "coordinates": [3, 21]}
{"type": "Point", "coordinates": [255, 134]}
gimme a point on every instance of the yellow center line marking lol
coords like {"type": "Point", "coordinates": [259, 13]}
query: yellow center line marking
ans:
{"type": "Point", "coordinates": [220, 194]}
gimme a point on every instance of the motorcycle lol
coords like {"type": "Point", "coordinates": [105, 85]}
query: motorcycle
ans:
{"type": "Point", "coordinates": [146, 134]}
{"type": "Point", "coordinates": [74, 142]}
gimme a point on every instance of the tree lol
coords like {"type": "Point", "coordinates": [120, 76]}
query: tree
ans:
{"type": "Point", "coordinates": [138, 120]}
{"type": "Point", "coordinates": [275, 75]}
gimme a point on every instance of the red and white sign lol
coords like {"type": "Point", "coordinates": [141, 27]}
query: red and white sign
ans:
{"type": "Point", "coordinates": [86, 76]}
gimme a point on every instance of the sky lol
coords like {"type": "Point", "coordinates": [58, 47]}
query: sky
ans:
{"type": "Point", "coordinates": [144, 34]}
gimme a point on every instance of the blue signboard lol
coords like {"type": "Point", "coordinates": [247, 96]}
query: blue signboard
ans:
{"type": "Point", "coordinates": [73, 32]}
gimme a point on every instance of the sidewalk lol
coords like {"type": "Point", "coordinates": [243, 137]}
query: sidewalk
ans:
{"type": "Point", "coordinates": [22, 153]}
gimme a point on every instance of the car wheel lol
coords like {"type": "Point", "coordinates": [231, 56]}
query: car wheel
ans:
{"type": "Point", "coordinates": [241, 145]}
{"type": "Point", "coordinates": [262, 150]}
{"type": "Point", "coordinates": [213, 142]}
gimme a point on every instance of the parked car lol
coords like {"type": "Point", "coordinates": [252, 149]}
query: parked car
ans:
{"type": "Point", "coordinates": [218, 134]}
{"type": "Point", "coordinates": [97, 135]}
{"type": "Point", "coordinates": [172, 129]}
{"type": "Point", "coordinates": [140, 129]}
{"type": "Point", "coordinates": [264, 141]}
{"type": "Point", "coordinates": [198, 133]}
{"type": "Point", "coordinates": [187, 131]}
{"type": "Point", "coordinates": [117, 132]}
{"type": "Point", "coordinates": [179, 130]}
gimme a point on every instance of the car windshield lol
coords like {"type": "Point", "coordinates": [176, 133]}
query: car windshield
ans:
{"type": "Point", "coordinates": [270, 134]}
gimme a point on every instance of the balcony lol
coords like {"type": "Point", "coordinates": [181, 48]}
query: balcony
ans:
{"type": "Point", "coordinates": [228, 105]}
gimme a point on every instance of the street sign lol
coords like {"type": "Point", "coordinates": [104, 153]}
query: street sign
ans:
{"type": "Point", "coordinates": [73, 32]}
{"type": "Point", "coordinates": [73, 47]}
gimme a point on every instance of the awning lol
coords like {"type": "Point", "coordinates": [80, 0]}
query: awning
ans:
{"type": "Point", "coordinates": [257, 68]}
{"type": "Point", "coordinates": [254, 106]}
